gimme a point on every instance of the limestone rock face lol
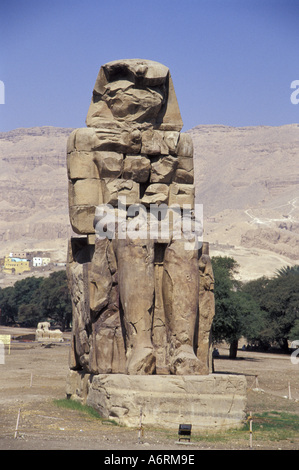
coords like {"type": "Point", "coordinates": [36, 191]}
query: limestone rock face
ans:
{"type": "Point", "coordinates": [142, 299]}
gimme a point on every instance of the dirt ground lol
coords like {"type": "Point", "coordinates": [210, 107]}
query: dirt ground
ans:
{"type": "Point", "coordinates": [33, 375]}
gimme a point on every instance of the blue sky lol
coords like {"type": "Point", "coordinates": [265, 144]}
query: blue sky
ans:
{"type": "Point", "coordinates": [232, 61]}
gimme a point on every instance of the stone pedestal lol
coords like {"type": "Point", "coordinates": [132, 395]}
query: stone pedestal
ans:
{"type": "Point", "coordinates": [208, 402]}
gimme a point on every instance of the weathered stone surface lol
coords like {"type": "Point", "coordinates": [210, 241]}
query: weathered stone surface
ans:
{"type": "Point", "coordinates": [185, 172]}
{"type": "Point", "coordinates": [206, 310]}
{"type": "Point", "coordinates": [82, 218]}
{"type": "Point", "coordinates": [171, 139]}
{"type": "Point", "coordinates": [84, 139]}
{"type": "Point", "coordinates": [89, 139]}
{"type": "Point", "coordinates": [153, 143]}
{"type": "Point", "coordinates": [136, 288]}
{"type": "Point", "coordinates": [155, 193]}
{"type": "Point", "coordinates": [185, 146]}
{"type": "Point", "coordinates": [107, 354]}
{"type": "Point", "coordinates": [115, 188]}
{"type": "Point", "coordinates": [210, 402]}
{"type": "Point", "coordinates": [136, 168]}
{"type": "Point", "coordinates": [163, 169]}
{"type": "Point", "coordinates": [98, 343]}
{"type": "Point", "coordinates": [159, 329]}
{"type": "Point", "coordinates": [134, 91]}
{"type": "Point", "coordinates": [81, 165]}
{"type": "Point", "coordinates": [141, 289]}
{"type": "Point", "coordinates": [85, 192]}
{"type": "Point", "coordinates": [70, 143]}
{"type": "Point", "coordinates": [79, 254]}
{"type": "Point", "coordinates": [181, 194]}
{"type": "Point", "coordinates": [181, 269]}
{"type": "Point", "coordinates": [122, 141]}
{"type": "Point", "coordinates": [109, 164]}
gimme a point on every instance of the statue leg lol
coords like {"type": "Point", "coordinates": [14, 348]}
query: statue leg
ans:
{"type": "Point", "coordinates": [135, 260]}
{"type": "Point", "coordinates": [180, 297]}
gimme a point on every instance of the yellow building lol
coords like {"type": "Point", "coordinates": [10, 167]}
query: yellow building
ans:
{"type": "Point", "coordinates": [15, 265]}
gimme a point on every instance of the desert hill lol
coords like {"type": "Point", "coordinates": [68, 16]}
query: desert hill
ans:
{"type": "Point", "coordinates": [248, 181]}
{"type": "Point", "coordinates": [33, 190]}
{"type": "Point", "coordinates": [246, 178]}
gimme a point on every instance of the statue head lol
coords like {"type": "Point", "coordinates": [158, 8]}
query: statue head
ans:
{"type": "Point", "coordinates": [135, 93]}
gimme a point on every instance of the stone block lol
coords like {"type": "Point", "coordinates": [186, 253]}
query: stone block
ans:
{"type": "Point", "coordinates": [115, 188]}
{"type": "Point", "coordinates": [183, 176]}
{"type": "Point", "coordinates": [136, 168]}
{"type": "Point", "coordinates": [153, 143]}
{"type": "Point", "coordinates": [70, 144]}
{"type": "Point", "coordinates": [156, 193]}
{"type": "Point", "coordinates": [109, 164]}
{"type": "Point", "coordinates": [181, 194]}
{"type": "Point", "coordinates": [77, 385]}
{"type": "Point", "coordinates": [185, 145]}
{"type": "Point", "coordinates": [111, 140]}
{"type": "Point", "coordinates": [81, 165]}
{"type": "Point", "coordinates": [163, 169]}
{"type": "Point", "coordinates": [171, 138]}
{"type": "Point", "coordinates": [117, 140]}
{"type": "Point", "coordinates": [82, 218]}
{"type": "Point", "coordinates": [85, 192]}
{"type": "Point", "coordinates": [85, 139]}
{"type": "Point", "coordinates": [185, 172]}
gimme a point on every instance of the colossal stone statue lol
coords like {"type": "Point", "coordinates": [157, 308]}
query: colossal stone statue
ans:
{"type": "Point", "coordinates": [142, 297]}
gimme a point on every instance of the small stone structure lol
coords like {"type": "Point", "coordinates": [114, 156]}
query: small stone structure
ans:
{"type": "Point", "coordinates": [45, 335]}
{"type": "Point", "coordinates": [142, 292]}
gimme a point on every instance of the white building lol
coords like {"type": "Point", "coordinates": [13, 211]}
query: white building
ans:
{"type": "Point", "coordinates": [36, 262]}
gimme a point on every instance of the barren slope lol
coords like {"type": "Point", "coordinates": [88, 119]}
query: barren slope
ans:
{"type": "Point", "coordinates": [248, 181]}
{"type": "Point", "coordinates": [33, 190]}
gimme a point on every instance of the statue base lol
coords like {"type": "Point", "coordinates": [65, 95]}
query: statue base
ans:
{"type": "Point", "coordinates": [208, 402]}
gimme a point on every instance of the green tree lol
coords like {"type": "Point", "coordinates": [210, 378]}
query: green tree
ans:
{"type": "Point", "coordinates": [225, 325]}
{"type": "Point", "coordinates": [9, 310]}
{"type": "Point", "coordinates": [282, 304]}
{"type": "Point", "coordinates": [32, 300]}
{"type": "Point", "coordinates": [55, 299]}
{"type": "Point", "coordinates": [29, 315]}
{"type": "Point", "coordinates": [237, 314]}
{"type": "Point", "coordinates": [26, 290]}
{"type": "Point", "coordinates": [294, 331]}
{"type": "Point", "coordinates": [278, 298]}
